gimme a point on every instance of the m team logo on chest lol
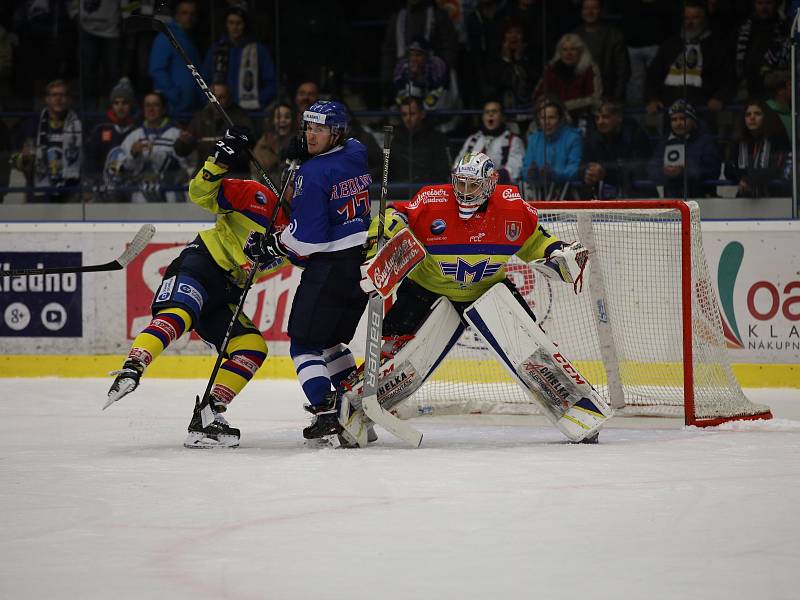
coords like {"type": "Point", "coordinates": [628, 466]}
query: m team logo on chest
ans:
{"type": "Point", "coordinates": [464, 272]}
{"type": "Point", "coordinates": [513, 230]}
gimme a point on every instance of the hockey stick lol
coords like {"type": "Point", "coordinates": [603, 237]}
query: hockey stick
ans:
{"type": "Point", "coordinates": [206, 414]}
{"type": "Point", "coordinates": [144, 23]}
{"type": "Point", "coordinates": [136, 245]}
{"type": "Point", "coordinates": [372, 360]}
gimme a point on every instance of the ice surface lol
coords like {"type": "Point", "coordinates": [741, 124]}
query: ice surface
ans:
{"type": "Point", "coordinates": [110, 505]}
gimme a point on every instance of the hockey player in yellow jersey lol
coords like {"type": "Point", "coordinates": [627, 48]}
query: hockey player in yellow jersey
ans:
{"type": "Point", "coordinates": [202, 286]}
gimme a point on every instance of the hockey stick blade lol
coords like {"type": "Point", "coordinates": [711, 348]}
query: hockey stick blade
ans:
{"type": "Point", "coordinates": [390, 423]}
{"type": "Point", "coordinates": [136, 23]}
{"type": "Point", "coordinates": [137, 244]}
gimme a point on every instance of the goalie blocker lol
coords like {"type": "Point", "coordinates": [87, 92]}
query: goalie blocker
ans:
{"type": "Point", "coordinates": [566, 398]}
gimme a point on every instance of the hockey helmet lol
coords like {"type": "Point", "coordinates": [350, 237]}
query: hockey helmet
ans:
{"type": "Point", "coordinates": [474, 179]}
{"type": "Point", "coordinates": [328, 112]}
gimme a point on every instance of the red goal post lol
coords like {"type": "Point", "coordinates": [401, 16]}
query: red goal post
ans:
{"type": "Point", "coordinates": [647, 332]}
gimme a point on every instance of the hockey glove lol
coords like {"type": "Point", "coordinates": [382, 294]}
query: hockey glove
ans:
{"type": "Point", "coordinates": [567, 263]}
{"type": "Point", "coordinates": [265, 247]}
{"type": "Point", "coordinates": [296, 149]}
{"type": "Point", "coordinates": [229, 149]}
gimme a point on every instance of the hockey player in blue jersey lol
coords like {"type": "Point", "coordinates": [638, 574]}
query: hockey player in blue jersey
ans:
{"type": "Point", "coordinates": [330, 216]}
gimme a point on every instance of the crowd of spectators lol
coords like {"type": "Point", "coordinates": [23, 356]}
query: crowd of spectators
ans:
{"type": "Point", "coordinates": [594, 99]}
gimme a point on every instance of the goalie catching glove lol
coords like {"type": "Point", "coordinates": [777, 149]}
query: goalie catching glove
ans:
{"type": "Point", "coordinates": [566, 263]}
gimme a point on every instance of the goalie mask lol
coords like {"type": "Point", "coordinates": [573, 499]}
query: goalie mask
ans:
{"type": "Point", "coordinates": [474, 179]}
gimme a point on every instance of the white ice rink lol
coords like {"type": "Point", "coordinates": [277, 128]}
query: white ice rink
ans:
{"type": "Point", "coordinates": [110, 505]}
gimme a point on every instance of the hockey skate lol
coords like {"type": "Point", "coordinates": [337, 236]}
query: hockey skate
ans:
{"type": "Point", "coordinates": [219, 434]}
{"type": "Point", "coordinates": [326, 418]}
{"type": "Point", "coordinates": [126, 381]}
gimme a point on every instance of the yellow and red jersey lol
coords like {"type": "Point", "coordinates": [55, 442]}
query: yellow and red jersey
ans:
{"type": "Point", "coordinates": [243, 206]}
{"type": "Point", "coordinates": [467, 257]}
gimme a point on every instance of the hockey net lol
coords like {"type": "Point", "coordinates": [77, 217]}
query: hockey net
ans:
{"type": "Point", "coordinates": [646, 331]}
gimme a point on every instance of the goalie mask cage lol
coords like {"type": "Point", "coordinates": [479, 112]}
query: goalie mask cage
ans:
{"type": "Point", "coordinates": [646, 330]}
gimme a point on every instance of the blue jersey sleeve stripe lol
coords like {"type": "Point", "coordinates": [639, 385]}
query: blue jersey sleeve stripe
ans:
{"type": "Point", "coordinates": [473, 249]}
{"type": "Point", "coordinates": [306, 248]}
{"type": "Point", "coordinates": [262, 220]}
{"type": "Point", "coordinates": [222, 201]}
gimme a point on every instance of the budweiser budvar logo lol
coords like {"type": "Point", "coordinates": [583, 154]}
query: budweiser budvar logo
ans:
{"type": "Point", "coordinates": [401, 254]}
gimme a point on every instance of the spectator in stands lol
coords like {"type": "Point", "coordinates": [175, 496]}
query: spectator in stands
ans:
{"type": "Point", "coordinates": [543, 22]}
{"type": "Point", "coordinates": [779, 91]}
{"type": "Point", "coordinates": [484, 33]}
{"type": "Point", "coordinates": [5, 156]}
{"type": "Point", "coordinates": [685, 158]}
{"type": "Point", "coordinates": [762, 153]}
{"type": "Point", "coordinates": [48, 45]}
{"type": "Point", "coordinates": [103, 151]}
{"type": "Point", "coordinates": [707, 75]}
{"type": "Point", "coordinates": [645, 26]}
{"type": "Point", "coordinates": [554, 151]}
{"type": "Point", "coordinates": [420, 154]}
{"type": "Point", "coordinates": [422, 74]}
{"type": "Point", "coordinates": [573, 77]}
{"type": "Point", "coordinates": [242, 63]}
{"type": "Point", "coordinates": [317, 42]}
{"type": "Point", "coordinates": [280, 126]}
{"type": "Point", "coordinates": [207, 126]}
{"type": "Point", "coordinates": [100, 48]}
{"type": "Point", "coordinates": [419, 18]}
{"type": "Point", "coordinates": [616, 151]}
{"type": "Point", "coordinates": [365, 135]}
{"type": "Point", "coordinates": [51, 149]}
{"type": "Point", "coordinates": [760, 37]}
{"type": "Point", "coordinates": [305, 95]}
{"type": "Point", "coordinates": [169, 72]}
{"type": "Point", "coordinates": [607, 47]}
{"type": "Point", "coordinates": [136, 46]}
{"type": "Point", "coordinates": [149, 159]}
{"type": "Point", "coordinates": [9, 43]}
{"type": "Point", "coordinates": [512, 74]}
{"type": "Point", "coordinates": [494, 139]}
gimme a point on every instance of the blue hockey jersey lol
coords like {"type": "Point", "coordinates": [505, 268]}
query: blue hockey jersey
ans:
{"type": "Point", "coordinates": [330, 206]}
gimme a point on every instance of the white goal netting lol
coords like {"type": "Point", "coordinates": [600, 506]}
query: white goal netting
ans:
{"type": "Point", "coordinates": [625, 332]}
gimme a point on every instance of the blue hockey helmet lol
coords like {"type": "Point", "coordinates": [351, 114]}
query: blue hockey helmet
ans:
{"type": "Point", "coordinates": [328, 112]}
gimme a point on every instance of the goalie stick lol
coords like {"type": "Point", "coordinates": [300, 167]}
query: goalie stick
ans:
{"type": "Point", "coordinates": [136, 245]}
{"type": "Point", "coordinates": [144, 23]}
{"type": "Point", "coordinates": [372, 360]}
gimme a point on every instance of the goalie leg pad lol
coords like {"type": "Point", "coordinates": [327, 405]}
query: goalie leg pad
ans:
{"type": "Point", "coordinates": [567, 399]}
{"type": "Point", "coordinates": [405, 369]}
